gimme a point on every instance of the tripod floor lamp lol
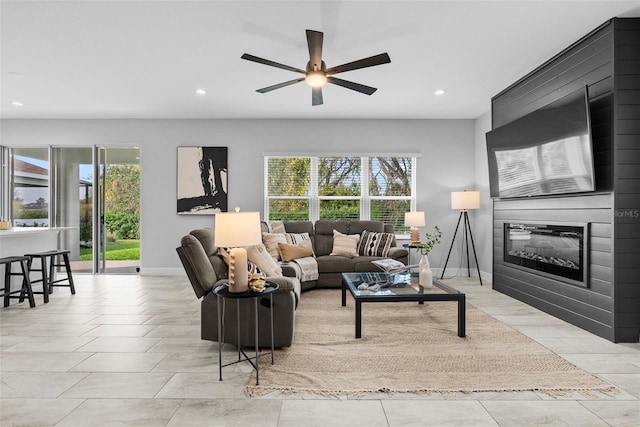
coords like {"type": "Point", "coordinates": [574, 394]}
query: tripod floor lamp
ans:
{"type": "Point", "coordinates": [464, 201]}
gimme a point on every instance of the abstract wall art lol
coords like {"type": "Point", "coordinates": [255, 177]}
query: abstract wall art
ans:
{"type": "Point", "coordinates": [202, 180]}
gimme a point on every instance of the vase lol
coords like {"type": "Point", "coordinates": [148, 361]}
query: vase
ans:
{"type": "Point", "coordinates": [425, 275]}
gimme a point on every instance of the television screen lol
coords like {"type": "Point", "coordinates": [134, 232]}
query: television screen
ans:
{"type": "Point", "coordinates": [546, 152]}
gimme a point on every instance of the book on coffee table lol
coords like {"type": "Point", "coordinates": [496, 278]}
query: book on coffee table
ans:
{"type": "Point", "coordinates": [389, 265]}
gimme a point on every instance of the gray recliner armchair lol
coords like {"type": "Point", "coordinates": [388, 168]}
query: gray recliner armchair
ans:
{"type": "Point", "coordinates": [206, 270]}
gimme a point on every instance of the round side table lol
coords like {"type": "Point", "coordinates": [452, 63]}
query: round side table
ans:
{"type": "Point", "coordinates": [223, 294]}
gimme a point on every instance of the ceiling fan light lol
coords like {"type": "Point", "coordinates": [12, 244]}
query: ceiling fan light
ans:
{"type": "Point", "coordinates": [315, 79]}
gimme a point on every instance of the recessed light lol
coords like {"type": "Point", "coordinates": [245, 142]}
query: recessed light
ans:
{"type": "Point", "coordinates": [17, 104]}
{"type": "Point", "coordinates": [440, 92]}
{"type": "Point", "coordinates": [201, 91]}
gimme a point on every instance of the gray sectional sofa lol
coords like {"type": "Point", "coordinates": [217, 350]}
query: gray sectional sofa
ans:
{"type": "Point", "coordinates": [331, 267]}
{"type": "Point", "coordinates": [206, 269]}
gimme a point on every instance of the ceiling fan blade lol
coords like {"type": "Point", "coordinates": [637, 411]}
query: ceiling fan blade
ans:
{"type": "Point", "coordinates": [271, 63]}
{"type": "Point", "coordinates": [316, 96]}
{"type": "Point", "coordinates": [371, 61]}
{"type": "Point", "coordinates": [314, 42]}
{"type": "Point", "coordinates": [367, 90]}
{"type": "Point", "coordinates": [279, 85]}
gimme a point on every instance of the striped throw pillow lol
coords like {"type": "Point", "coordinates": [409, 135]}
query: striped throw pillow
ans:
{"type": "Point", "coordinates": [375, 244]}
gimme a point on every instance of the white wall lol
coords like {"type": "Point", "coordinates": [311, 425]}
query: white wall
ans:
{"type": "Point", "coordinates": [482, 219]}
{"type": "Point", "coordinates": [450, 155]}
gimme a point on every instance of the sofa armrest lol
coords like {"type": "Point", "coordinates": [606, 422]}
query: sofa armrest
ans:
{"type": "Point", "coordinates": [290, 269]}
{"type": "Point", "coordinates": [396, 252]}
{"type": "Point", "coordinates": [286, 284]}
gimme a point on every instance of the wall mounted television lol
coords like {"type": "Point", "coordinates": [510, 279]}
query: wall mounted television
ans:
{"type": "Point", "coordinates": [546, 152]}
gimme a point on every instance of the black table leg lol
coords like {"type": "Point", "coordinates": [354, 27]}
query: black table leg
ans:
{"type": "Point", "coordinates": [219, 306]}
{"type": "Point", "coordinates": [271, 311]}
{"type": "Point", "coordinates": [238, 323]}
{"type": "Point", "coordinates": [358, 319]}
{"type": "Point", "coordinates": [462, 316]}
{"type": "Point", "coordinates": [255, 304]}
{"type": "Point", "coordinates": [344, 293]}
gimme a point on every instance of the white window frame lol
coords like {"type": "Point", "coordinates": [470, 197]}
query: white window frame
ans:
{"type": "Point", "coordinates": [365, 199]}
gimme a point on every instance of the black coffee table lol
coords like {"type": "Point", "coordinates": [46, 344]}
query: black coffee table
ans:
{"type": "Point", "coordinates": [399, 287]}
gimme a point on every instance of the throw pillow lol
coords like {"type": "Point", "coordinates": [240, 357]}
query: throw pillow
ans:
{"type": "Point", "coordinates": [259, 255]}
{"type": "Point", "coordinates": [344, 244]}
{"type": "Point", "coordinates": [277, 227]}
{"type": "Point", "coordinates": [295, 238]}
{"type": "Point", "coordinates": [271, 241]}
{"type": "Point", "coordinates": [375, 244]}
{"type": "Point", "coordinates": [291, 252]}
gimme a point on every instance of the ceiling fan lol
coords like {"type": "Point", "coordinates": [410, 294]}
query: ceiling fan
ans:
{"type": "Point", "coordinates": [317, 74]}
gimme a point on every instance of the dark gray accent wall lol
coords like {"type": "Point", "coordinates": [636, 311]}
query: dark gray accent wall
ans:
{"type": "Point", "coordinates": [626, 178]}
{"type": "Point", "coordinates": [607, 61]}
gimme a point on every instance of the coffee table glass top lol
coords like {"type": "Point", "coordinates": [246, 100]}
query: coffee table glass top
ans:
{"type": "Point", "coordinates": [388, 285]}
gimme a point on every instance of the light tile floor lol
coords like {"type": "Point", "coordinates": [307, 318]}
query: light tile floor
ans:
{"type": "Point", "coordinates": [126, 350]}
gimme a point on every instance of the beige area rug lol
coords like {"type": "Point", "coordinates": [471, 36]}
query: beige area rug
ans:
{"type": "Point", "coordinates": [411, 348]}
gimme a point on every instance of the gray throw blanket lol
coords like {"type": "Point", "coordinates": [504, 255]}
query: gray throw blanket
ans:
{"type": "Point", "coordinates": [309, 267]}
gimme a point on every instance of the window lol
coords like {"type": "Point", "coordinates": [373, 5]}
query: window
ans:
{"type": "Point", "coordinates": [340, 188]}
{"type": "Point", "coordinates": [29, 187]}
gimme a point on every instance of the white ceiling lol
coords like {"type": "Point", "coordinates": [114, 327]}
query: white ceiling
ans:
{"type": "Point", "coordinates": [145, 59]}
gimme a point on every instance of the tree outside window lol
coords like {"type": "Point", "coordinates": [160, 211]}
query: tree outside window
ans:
{"type": "Point", "coordinates": [339, 188]}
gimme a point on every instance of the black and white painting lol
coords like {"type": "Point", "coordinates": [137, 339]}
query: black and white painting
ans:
{"type": "Point", "coordinates": [202, 180]}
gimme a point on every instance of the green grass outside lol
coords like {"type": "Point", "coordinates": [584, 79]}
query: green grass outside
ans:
{"type": "Point", "coordinates": [120, 250]}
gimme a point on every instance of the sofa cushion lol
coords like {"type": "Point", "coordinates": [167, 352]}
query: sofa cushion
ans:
{"type": "Point", "coordinates": [375, 244]}
{"type": "Point", "coordinates": [334, 264]}
{"type": "Point", "coordinates": [358, 226]}
{"type": "Point", "coordinates": [299, 227]}
{"type": "Point", "coordinates": [323, 244]}
{"type": "Point", "coordinates": [198, 262]}
{"type": "Point", "coordinates": [291, 252]}
{"type": "Point", "coordinates": [363, 264]}
{"type": "Point", "coordinates": [345, 244]}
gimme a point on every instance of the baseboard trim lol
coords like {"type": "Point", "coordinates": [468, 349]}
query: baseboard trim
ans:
{"type": "Point", "coordinates": [458, 272]}
{"type": "Point", "coordinates": [162, 272]}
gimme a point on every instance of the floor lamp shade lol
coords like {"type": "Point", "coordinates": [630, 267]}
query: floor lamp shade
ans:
{"type": "Point", "coordinates": [414, 220]}
{"type": "Point", "coordinates": [236, 230]}
{"type": "Point", "coordinates": [465, 200]}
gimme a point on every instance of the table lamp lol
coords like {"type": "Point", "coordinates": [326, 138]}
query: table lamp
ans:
{"type": "Point", "coordinates": [464, 201]}
{"type": "Point", "coordinates": [236, 230]}
{"type": "Point", "coordinates": [414, 220]}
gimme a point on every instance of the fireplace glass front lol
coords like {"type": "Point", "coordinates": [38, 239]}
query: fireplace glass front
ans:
{"type": "Point", "coordinates": [550, 249]}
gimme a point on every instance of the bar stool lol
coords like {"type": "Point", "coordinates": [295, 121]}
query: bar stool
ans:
{"type": "Point", "coordinates": [47, 275]}
{"type": "Point", "coordinates": [26, 283]}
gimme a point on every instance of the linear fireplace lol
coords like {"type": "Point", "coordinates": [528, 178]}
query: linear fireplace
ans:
{"type": "Point", "coordinates": [553, 250]}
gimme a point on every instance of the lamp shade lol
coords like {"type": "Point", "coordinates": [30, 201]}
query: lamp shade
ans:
{"type": "Point", "coordinates": [237, 229]}
{"type": "Point", "coordinates": [465, 200]}
{"type": "Point", "coordinates": [414, 219]}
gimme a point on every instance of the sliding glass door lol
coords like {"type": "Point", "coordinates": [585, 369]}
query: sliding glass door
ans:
{"type": "Point", "coordinates": [91, 193]}
{"type": "Point", "coordinates": [117, 210]}
{"type": "Point", "coordinates": [71, 207]}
